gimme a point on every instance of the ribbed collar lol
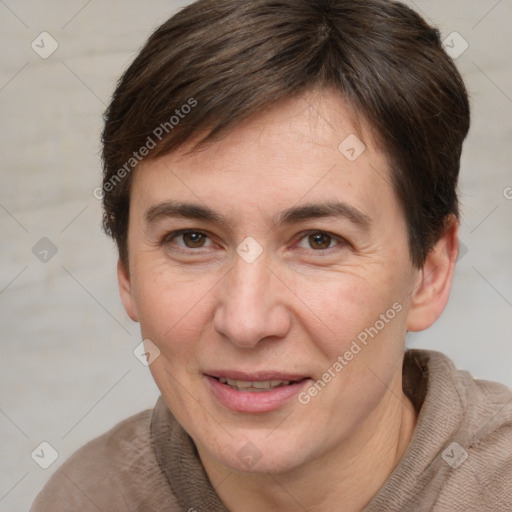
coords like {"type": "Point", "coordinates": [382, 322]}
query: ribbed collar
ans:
{"type": "Point", "coordinates": [433, 385]}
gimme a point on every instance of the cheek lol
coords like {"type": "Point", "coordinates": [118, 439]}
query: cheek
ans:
{"type": "Point", "coordinates": [348, 306]}
{"type": "Point", "coordinates": [362, 344]}
{"type": "Point", "coordinates": [171, 306]}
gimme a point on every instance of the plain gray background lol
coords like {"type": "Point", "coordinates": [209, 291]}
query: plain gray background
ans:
{"type": "Point", "coordinates": [67, 371]}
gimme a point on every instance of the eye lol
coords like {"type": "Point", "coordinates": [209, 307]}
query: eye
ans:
{"type": "Point", "coordinates": [194, 239]}
{"type": "Point", "coordinates": [320, 240]}
{"type": "Point", "coordinates": [190, 239]}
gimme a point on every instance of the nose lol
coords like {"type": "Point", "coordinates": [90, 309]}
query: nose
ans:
{"type": "Point", "coordinates": [251, 304]}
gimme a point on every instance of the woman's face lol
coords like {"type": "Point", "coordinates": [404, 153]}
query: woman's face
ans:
{"type": "Point", "coordinates": [280, 314]}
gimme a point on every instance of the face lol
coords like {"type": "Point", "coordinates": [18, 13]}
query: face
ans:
{"type": "Point", "coordinates": [272, 272]}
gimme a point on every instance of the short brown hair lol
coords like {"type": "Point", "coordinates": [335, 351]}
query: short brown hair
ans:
{"type": "Point", "coordinates": [229, 59]}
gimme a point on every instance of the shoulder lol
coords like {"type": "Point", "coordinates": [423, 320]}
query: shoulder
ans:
{"type": "Point", "coordinates": [461, 454]}
{"type": "Point", "coordinates": [477, 456]}
{"type": "Point", "coordinates": [480, 473]}
{"type": "Point", "coordinates": [115, 471]}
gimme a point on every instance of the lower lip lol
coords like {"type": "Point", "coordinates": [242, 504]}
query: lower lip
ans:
{"type": "Point", "coordinates": [254, 401]}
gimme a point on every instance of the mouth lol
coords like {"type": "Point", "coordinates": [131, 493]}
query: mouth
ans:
{"type": "Point", "coordinates": [254, 393]}
{"type": "Point", "coordinates": [256, 386]}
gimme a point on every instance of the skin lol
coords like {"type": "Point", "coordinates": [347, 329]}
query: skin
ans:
{"type": "Point", "coordinates": [296, 308]}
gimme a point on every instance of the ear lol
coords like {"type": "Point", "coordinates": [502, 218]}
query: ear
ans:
{"type": "Point", "coordinates": [432, 289]}
{"type": "Point", "coordinates": [125, 290]}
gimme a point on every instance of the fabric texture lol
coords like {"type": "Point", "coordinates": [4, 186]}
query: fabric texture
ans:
{"type": "Point", "coordinates": [459, 458]}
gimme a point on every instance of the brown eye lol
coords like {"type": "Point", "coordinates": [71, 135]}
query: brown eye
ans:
{"type": "Point", "coordinates": [194, 239]}
{"type": "Point", "coordinates": [319, 240]}
{"type": "Point", "coordinates": [187, 240]}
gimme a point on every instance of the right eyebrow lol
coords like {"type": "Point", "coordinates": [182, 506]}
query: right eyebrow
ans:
{"type": "Point", "coordinates": [185, 210]}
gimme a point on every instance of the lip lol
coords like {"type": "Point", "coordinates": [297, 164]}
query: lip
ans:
{"type": "Point", "coordinates": [254, 402]}
{"type": "Point", "coordinates": [254, 376]}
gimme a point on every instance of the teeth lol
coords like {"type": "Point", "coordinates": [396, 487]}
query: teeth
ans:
{"type": "Point", "coordinates": [262, 385]}
{"type": "Point", "coordinates": [238, 383]}
{"type": "Point", "coordinates": [267, 384]}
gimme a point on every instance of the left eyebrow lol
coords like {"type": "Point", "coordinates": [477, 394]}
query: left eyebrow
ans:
{"type": "Point", "coordinates": [325, 209]}
{"type": "Point", "coordinates": [291, 215]}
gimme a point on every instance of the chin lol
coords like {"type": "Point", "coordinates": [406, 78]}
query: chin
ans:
{"type": "Point", "coordinates": [259, 455]}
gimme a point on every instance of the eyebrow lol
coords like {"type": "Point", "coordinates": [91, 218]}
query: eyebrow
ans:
{"type": "Point", "coordinates": [291, 215]}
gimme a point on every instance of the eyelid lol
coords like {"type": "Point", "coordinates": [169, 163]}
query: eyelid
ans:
{"type": "Point", "coordinates": [169, 237]}
{"type": "Point", "coordinates": [299, 237]}
{"type": "Point", "coordinates": [341, 241]}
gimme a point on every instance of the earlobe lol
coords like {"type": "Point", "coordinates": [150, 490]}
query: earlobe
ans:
{"type": "Point", "coordinates": [125, 291]}
{"type": "Point", "coordinates": [432, 291]}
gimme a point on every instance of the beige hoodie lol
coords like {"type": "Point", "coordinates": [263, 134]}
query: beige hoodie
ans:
{"type": "Point", "coordinates": [459, 458]}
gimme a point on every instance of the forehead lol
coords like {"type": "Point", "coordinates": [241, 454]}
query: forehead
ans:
{"type": "Point", "coordinates": [299, 150]}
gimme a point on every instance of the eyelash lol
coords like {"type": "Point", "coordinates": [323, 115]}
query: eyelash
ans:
{"type": "Point", "coordinates": [168, 238]}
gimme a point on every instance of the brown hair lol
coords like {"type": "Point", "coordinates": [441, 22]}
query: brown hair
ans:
{"type": "Point", "coordinates": [217, 62]}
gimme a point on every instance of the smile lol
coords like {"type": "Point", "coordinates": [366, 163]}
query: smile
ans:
{"type": "Point", "coordinates": [254, 386]}
{"type": "Point", "coordinates": [255, 393]}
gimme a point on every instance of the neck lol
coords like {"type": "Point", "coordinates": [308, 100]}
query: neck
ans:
{"type": "Point", "coordinates": [351, 474]}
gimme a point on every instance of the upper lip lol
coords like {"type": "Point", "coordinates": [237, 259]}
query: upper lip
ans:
{"type": "Point", "coordinates": [255, 376]}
